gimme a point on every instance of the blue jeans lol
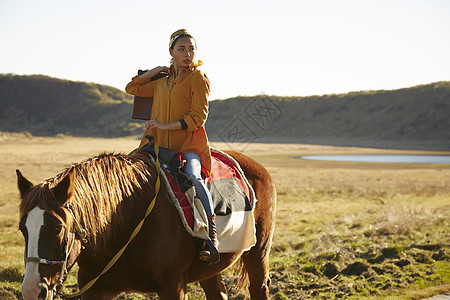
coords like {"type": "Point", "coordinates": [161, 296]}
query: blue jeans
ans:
{"type": "Point", "coordinates": [193, 169]}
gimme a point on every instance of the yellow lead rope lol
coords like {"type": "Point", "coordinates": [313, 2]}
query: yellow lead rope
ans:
{"type": "Point", "coordinates": [133, 235]}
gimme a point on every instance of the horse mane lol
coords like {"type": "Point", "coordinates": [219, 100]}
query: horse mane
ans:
{"type": "Point", "coordinates": [100, 185]}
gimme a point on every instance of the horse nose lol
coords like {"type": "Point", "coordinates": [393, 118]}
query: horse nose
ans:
{"type": "Point", "coordinates": [44, 291]}
{"type": "Point", "coordinates": [30, 292]}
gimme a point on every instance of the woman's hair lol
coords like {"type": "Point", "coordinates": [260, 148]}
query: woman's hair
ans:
{"type": "Point", "coordinates": [179, 34]}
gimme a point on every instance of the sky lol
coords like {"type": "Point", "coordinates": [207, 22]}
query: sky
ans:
{"type": "Point", "coordinates": [282, 47]}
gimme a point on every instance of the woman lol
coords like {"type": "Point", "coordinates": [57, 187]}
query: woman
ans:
{"type": "Point", "coordinates": [179, 112]}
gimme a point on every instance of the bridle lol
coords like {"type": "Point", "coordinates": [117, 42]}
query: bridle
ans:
{"type": "Point", "coordinates": [78, 233]}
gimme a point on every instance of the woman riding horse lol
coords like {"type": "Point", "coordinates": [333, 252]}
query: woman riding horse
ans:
{"type": "Point", "coordinates": [179, 112]}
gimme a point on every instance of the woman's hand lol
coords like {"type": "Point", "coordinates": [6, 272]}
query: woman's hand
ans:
{"type": "Point", "coordinates": [153, 123]}
{"type": "Point", "coordinates": [163, 69]}
{"type": "Point", "coordinates": [155, 71]}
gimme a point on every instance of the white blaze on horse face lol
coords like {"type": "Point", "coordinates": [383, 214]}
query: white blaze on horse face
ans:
{"type": "Point", "coordinates": [30, 285]}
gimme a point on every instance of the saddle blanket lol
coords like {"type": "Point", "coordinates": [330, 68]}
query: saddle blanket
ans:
{"type": "Point", "coordinates": [233, 199]}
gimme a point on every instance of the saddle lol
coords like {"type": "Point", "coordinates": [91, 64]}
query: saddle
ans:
{"type": "Point", "coordinates": [233, 198]}
{"type": "Point", "coordinates": [172, 162]}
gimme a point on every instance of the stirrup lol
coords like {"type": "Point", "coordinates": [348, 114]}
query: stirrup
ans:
{"type": "Point", "coordinates": [210, 256]}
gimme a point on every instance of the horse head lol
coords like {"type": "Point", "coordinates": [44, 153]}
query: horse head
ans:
{"type": "Point", "coordinates": [52, 245]}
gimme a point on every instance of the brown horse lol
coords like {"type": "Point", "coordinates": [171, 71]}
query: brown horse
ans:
{"type": "Point", "coordinates": [106, 197]}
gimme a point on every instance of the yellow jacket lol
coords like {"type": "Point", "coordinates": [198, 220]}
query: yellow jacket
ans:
{"type": "Point", "coordinates": [178, 99]}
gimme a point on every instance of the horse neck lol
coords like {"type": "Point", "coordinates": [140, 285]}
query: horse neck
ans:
{"type": "Point", "coordinates": [106, 193]}
{"type": "Point", "coordinates": [159, 225]}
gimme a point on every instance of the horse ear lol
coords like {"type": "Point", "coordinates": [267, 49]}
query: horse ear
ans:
{"type": "Point", "coordinates": [23, 183]}
{"type": "Point", "coordinates": [64, 188]}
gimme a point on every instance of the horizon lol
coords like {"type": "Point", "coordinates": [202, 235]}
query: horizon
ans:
{"type": "Point", "coordinates": [284, 48]}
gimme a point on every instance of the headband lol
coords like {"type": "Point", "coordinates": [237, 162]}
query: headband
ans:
{"type": "Point", "coordinates": [177, 34]}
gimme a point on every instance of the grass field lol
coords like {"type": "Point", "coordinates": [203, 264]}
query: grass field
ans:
{"type": "Point", "coordinates": [344, 230]}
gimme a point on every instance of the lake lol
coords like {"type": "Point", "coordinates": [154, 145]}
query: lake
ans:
{"type": "Point", "coordinates": [393, 158]}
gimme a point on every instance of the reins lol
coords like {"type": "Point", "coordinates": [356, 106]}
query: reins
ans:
{"type": "Point", "coordinates": [133, 235]}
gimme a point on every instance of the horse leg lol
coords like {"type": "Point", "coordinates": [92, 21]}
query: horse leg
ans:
{"type": "Point", "coordinates": [173, 291]}
{"type": "Point", "coordinates": [256, 262]}
{"type": "Point", "coordinates": [257, 266]}
{"type": "Point", "coordinates": [214, 288]}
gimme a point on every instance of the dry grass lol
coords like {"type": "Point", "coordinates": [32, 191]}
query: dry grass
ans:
{"type": "Point", "coordinates": [344, 230]}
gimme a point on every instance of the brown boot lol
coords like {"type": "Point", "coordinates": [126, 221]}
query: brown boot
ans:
{"type": "Point", "coordinates": [212, 255]}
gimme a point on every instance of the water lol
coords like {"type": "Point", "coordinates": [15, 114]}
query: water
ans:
{"type": "Point", "coordinates": [392, 158]}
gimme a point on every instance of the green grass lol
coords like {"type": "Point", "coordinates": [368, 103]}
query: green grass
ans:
{"type": "Point", "coordinates": [383, 248]}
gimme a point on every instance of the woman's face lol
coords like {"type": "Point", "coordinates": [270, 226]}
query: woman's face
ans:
{"type": "Point", "coordinates": [183, 52]}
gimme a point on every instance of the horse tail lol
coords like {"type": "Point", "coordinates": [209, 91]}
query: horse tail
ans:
{"type": "Point", "coordinates": [243, 280]}
{"type": "Point", "coordinates": [241, 273]}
